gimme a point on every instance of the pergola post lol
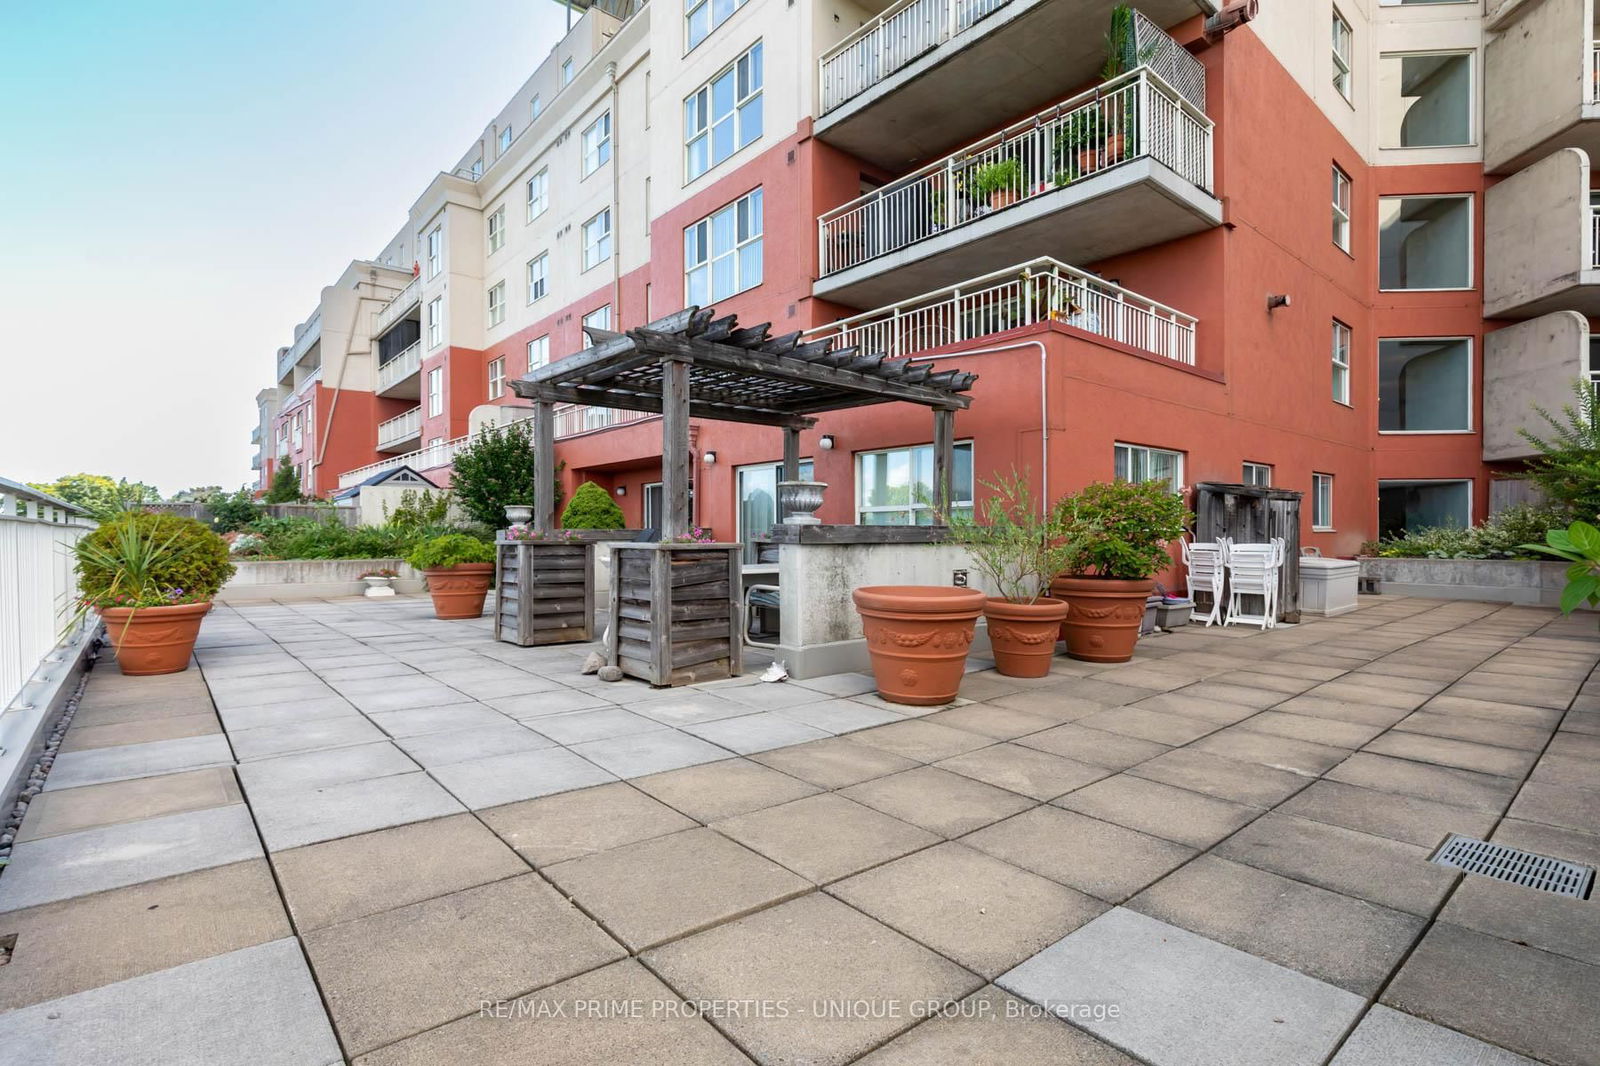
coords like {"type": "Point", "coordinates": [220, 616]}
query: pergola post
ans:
{"type": "Point", "coordinates": [544, 459]}
{"type": "Point", "coordinates": [944, 462]}
{"type": "Point", "coordinates": [675, 448]}
{"type": "Point", "coordinates": [791, 463]}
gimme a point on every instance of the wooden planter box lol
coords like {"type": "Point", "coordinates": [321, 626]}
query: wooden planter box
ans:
{"type": "Point", "coordinates": [544, 592]}
{"type": "Point", "coordinates": [676, 612]}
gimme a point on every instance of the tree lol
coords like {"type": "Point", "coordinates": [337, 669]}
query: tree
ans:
{"type": "Point", "coordinates": [285, 487]}
{"type": "Point", "coordinates": [232, 511]}
{"type": "Point", "coordinates": [1567, 468]}
{"type": "Point", "coordinates": [198, 494]}
{"type": "Point", "coordinates": [591, 507]}
{"type": "Point", "coordinates": [493, 470]}
{"type": "Point", "coordinates": [98, 494]}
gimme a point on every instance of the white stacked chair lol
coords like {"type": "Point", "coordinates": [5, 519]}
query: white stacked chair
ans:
{"type": "Point", "coordinates": [1207, 566]}
{"type": "Point", "coordinates": [1253, 571]}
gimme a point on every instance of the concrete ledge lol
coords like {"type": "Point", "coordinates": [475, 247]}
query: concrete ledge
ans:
{"type": "Point", "coordinates": [1491, 580]}
{"type": "Point", "coordinates": [310, 579]}
{"type": "Point", "coordinates": [25, 725]}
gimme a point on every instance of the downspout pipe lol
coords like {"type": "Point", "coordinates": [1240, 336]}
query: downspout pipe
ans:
{"type": "Point", "coordinates": [327, 426]}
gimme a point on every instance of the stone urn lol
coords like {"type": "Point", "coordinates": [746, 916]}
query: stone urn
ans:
{"type": "Point", "coordinates": [378, 585]}
{"type": "Point", "coordinates": [799, 500]}
{"type": "Point", "coordinates": [518, 514]}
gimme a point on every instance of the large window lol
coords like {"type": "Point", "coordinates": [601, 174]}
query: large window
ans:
{"type": "Point", "coordinates": [538, 276]}
{"type": "Point", "coordinates": [435, 251]}
{"type": "Point", "coordinates": [597, 144]}
{"type": "Point", "coordinates": [599, 318]}
{"type": "Point", "coordinates": [435, 321]}
{"type": "Point", "coordinates": [497, 378]}
{"type": "Point", "coordinates": [1425, 386]}
{"type": "Point", "coordinates": [538, 194]}
{"type": "Point", "coordinates": [597, 239]}
{"type": "Point", "coordinates": [1425, 99]}
{"type": "Point", "coordinates": [722, 252]}
{"type": "Point", "coordinates": [700, 17]}
{"type": "Point", "coordinates": [758, 500]}
{"type": "Point", "coordinates": [1322, 502]}
{"type": "Point", "coordinates": [1135, 462]}
{"type": "Point", "coordinates": [1341, 362]}
{"type": "Point", "coordinates": [1342, 38]}
{"type": "Point", "coordinates": [1258, 474]}
{"type": "Point", "coordinates": [1414, 505]}
{"type": "Point", "coordinates": [724, 114]}
{"type": "Point", "coordinates": [895, 487]}
{"type": "Point", "coordinates": [497, 229]}
{"type": "Point", "coordinates": [538, 352]}
{"type": "Point", "coordinates": [436, 391]}
{"type": "Point", "coordinates": [1341, 209]}
{"type": "Point", "coordinates": [1425, 242]}
{"type": "Point", "coordinates": [497, 303]}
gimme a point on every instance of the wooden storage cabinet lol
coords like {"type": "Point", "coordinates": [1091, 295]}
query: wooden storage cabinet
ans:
{"type": "Point", "coordinates": [544, 592]}
{"type": "Point", "coordinates": [677, 612]}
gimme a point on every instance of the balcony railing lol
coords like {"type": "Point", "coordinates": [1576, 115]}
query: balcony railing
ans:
{"type": "Point", "coordinates": [38, 593]}
{"type": "Point", "coordinates": [401, 427]}
{"type": "Point", "coordinates": [1594, 236]}
{"type": "Point", "coordinates": [904, 31]}
{"type": "Point", "coordinates": [396, 308]}
{"type": "Point", "coordinates": [1040, 291]}
{"type": "Point", "coordinates": [1135, 116]}
{"type": "Point", "coordinates": [1594, 73]}
{"type": "Point", "coordinates": [400, 367]}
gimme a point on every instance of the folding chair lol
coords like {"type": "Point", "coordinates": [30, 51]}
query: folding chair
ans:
{"type": "Point", "coordinates": [1253, 571]}
{"type": "Point", "coordinates": [1206, 562]}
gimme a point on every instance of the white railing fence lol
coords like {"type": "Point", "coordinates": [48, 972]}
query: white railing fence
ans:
{"type": "Point", "coordinates": [398, 305]}
{"type": "Point", "coordinates": [38, 588]}
{"type": "Point", "coordinates": [401, 427]}
{"type": "Point", "coordinates": [1134, 116]}
{"type": "Point", "coordinates": [399, 368]}
{"type": "Point", "coordinates": [1043, 290]}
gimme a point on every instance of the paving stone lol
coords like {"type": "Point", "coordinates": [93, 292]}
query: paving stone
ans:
{"type": "Point", "coordinates": [723, 789]}
{"type": "Point", "coordinates": [825, 837]}
{"type": "Point", "coordinates": [1461, 979]}
{"type": "Point", "coordinates": [1442, 751]}
{"type": "Point", "coordinates": [1094, 746]}
{"type": "Point", "coordinates": [1026, 771]}
{"type": "Point", "coordinates": [949, 804]}
{"type": "Point", "coordinates": [1154, 675]}
{"type": "Point", "coordinates": [576, 727]}
{"type": "Point", "coordinates": [235, 1009]}
{"type": "Point", "coordinates": [570, 825]}
{"type": "Point", "coordinates": [293, 819]}
{"type": "Point", "coordinates": [750, 733]}
{"type": "Point", "coordinates": [393, 974]}
{"type": "Point", "coordinates": [450, 718]}
{"type": "Point", "coordinates": [1344, 941]}
{"type": "Point", "coordinates": [1105, 693]}
{"type": "Point", "coordinates": [1574, 745]}
{"type": "Point", "coordinates": [1492, 710]}
{"type": "Point", "coordinates": [1145, 724]}
{"type": "Point", "coordinates": [481, 682]}
{"type": "Point", "coordinates": [382, 694]}
{"type": "Point", "coordinates": [1374, 693]}
{"type": "Point", "coordinates": [1234, 695]}
{"type": "Point", "coordinates": [1229, 779]}
{"type": "Point", "coordinates": [639, 754]}
{"type": "Point", "coordinates": [316, 769]}
{"type": "Point", "coordinates": [1383, 871]}
{"type": "Point", "coordinates": [1386, 814]}
{"type": "Point", "coordinates": [1288, 684]}
{"type": "Point", "coordinates": [1554, 694]}
{"type": "Point", "coordinates": [993, 1028]}
{"type": "Point", "coordinates": [1477, 730]}
{"type": "Point", "coordinates": [841, 685]}
{"type": "Point", "coordinates": [1280, 753]}
{"type": "Point", "coordinates": [1442, 784]}
{"type": "Point", "coordinates": [1001, 723]}
{"type": "Point", "coordinates": [1106, 861]}
{"type": "Point", "coordinates": [1389, 1038]}
{"type": "Point", "coordinates": [251, 692]}
{"type": "Point", "coordinates": [265, 742]}
{"type": "Point", "coordinates": [559, 1027]}
{"type": "Point", "coordinates": [518, 775]}
{"type": "Point", "coordinates": [70, 810]}
{"type": "Point", "coordinates": [809, 952]}
{"type": "Point", "coordinates": [442, 749]}
{"type": "Point", "coordinates": [1183, 998]}
{"type": "Point", "coordinates": [279, 715]}
{"type": "Point", "coordinates": [968, 906]}
{"type": "Point", "coordinates": [1160, 810]}
{"type": "Point", "coordinates": [834, 716]}
{"type": "Point", "coordinates": [834, 763]}
{"type": "Point", "coordinates": [1328, 732]}
{"type": "Point", "coordinates": [87, 738]}
{"type": "Point", "coordinates": [1572, 771]}
{"type": "Point", "coordinates": [101, 765]}
{"type": "Point", "coordinates": [341, 880]}
{"type": "Point", "coordinates": [921, 741]}
{"type": "Point", "coordinates": [1342, 711]}
{"type": "Point", "coordinates": [543, 704]}
{"type": "Point", "coordinates": [1562, 805]}
{"type": "Point", "coordinates": [1053, 703]}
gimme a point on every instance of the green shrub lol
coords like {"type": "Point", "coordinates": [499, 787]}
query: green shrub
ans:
{"type": "Point", "coordinates": [1016, 548]}
{"type": "Point", "coordinates": [495, 469]}
{"type": "Point", "coordinates": [451, 549]}
{"type": "Point", "coordinates": [591, 507]}
{"type": "Point", "coordinates": [1120, 529]}
{"type": "Point", "coordinates": [231, 511]}
{"type": "Point", "coordinates": [1567, 468]}
{"type": "Point", "coordinates": [1504, 536]}
{"type": "Point", "coordinates": [1579, 544]}
{"type": "Point", "coordinates": [139, 559]}
{"type": "Point", "coordinates": [285, 487]}
{"type": "Point", "coordinates": [419, 509]}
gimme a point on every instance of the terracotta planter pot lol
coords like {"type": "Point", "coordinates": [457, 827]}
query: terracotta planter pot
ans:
{"type": "Point", "coordinates": [918, 636]}
{"type": "Point", "coordinates": [1103, 616]}
{"type": "Point", "coordinates": [1003, 198]}
{"type": "Point", "coordinates": [1024, 635]}
{"type": "Point", "coordinates": [459, 591]}
{"type": "Point", "coordinates": [154, 640]}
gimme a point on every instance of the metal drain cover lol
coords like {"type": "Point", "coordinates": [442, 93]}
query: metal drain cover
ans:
{"type": "Point", "coordinates": [1515, 865]}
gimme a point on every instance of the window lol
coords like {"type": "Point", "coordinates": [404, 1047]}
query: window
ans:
{"type": "Point", "coordinates": [299, 429]}
{"type": "Point", "coordinates": [1425, 242]}
{"type": "Point", "coordinates": [1341, 362]}
{"type": "Point", "coordinates": [1259, 474]}
{"type": "Point", "coordinates": [1322, 501]}
{"type": "Point", "coordinates": [758, 501]}
{"type": "Point", "coordinates": [1341, 209]}
{"type": "Point", "coordinates": [599, 318]}
{"type": "Point", "coordinates": [1425, 386]}
{"type": "Point", "coordinates": [702, 16]}
{"type": "Point", "coordinates": [722, 252]}
{"type": "Point", "coordinates": [497, 378]}
{"type": "Point", "coordinates": [435, 321]}
{"type": "Point", "coordinates": [1341, 54]}
{"type": "Point", "coordinates": [538, 194]}
{"type": "Point", "coordinates": [436, 391]}
{"type": "Point", "coordinates": [597, 239]}
{"type": "Point", "coordinates": [477, 168]}
{"type": "Point", "coordinates": [597, 144]}
{"type": "Point", "coordinates": [538, 276]}
{"type": "Point", "coordinates": [497, 229]}
{"type": "Point", "coordinates": [505, 140]}
{"type": "Point", "coordinates": [724, 114]}
{"type": "Point", "coordinates": [497, 304]}
{"type": "Point", "coordinates": [435, 251]}
{"type": "Point", "coordinates": [534, 107]}
{"type": "Point", "coordinates": [895, 487]}
{"type": "Point", "coordinates": [654, 504]}
{"type": "Point", "coordinates": [538, 352]}
{"type": "Point", "coordinates": [566, 72]}
{"type": "Point", "coordinates": [1135, 462]}
{"type": "Point", "coordinates": [1425, 100]}
{"type": "Point", "coordinates": [1415, 505]}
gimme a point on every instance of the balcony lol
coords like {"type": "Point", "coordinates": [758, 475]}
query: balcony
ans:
{"type": "Point", "coordinates": [1124, 166]}
{"type": "Point", "coordinates": [1530, 364]}
{"type": "Point", "coordinates": [1541, 243]}
{"type": "Point", "coordinates": [306, 337]}
{"type": "Point", "coordinates": [401, 377]}
{"type": "Point", "coordinates": [401, 433]}
{"type": "Point", "coordinates": [885, 92]}
{"type": "Point", "coordinates": [1040, 291]}
{"type": "Point", "coordinates": [1541, 83]}
{"type": "Point", "coordinates": [404, 302]}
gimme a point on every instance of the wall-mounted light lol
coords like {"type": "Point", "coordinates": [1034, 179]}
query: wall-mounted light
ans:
{"type": "Point", "coordinates": [826, 443]}
{"type": "Point", "coordinates": [622, 490]}
{"type": "Point", "coordinates": [709, 457]}
{"type": "Point", "coordinates": [1277, 301]}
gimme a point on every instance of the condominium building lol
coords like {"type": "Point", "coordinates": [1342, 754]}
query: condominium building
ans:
{"type": "Point", "coordinates": [1339, 247]}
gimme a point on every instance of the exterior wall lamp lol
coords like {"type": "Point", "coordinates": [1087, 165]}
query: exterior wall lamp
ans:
{"type": "Point", "coordinates": [709, 458]}
{"type": "Point", "coordinates": [622, 490]}
{"type": "Point", "coordinates": [826, 443]}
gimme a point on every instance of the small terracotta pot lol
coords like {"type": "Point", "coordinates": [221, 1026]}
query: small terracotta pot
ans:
{"type": "Point", "coordinates": [1024, 635]}
{"type": "Point", "coordinates": [154, 640]}
{"type": "Point", "coordinates": [1003, 198]}
{"type": "Point", "coordinates": [918, 636]}
{"type": "Point", "coordinates": [1103, 616]}
{"type": "Point", "coordinates": [459, 591]}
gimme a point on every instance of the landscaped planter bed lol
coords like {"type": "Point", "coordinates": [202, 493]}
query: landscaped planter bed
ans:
{"type": "Point", "coordinates": [1494, 580]}
{"type": "Point", "coordinates": [310, 579]}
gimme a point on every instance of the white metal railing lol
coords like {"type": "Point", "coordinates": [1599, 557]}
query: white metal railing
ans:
{"type": "Point", "coordinates": [398, 305]}
{"type": "Point", "coordinates": [401, 427]}
{"type": "Point", "coordinates": [399, 368]}
{"type": "Point", "coordinates": [38, 588]}
{"type": "Point", "coordinates": [1594, 73]}
{"type": "Point", "coordinates": [1133, 116]}
{"type": "Point", "coordinates": [905, 30]}
{"type": "Point", "coordinates": [1043, 290]}
{"type": "Point", "coordinates": [1594, 236]}
{"type": "Point", "coordinates": [306, 384]}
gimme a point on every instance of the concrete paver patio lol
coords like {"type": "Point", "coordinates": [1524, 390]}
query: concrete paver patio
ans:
{"type": "Point", "coordinates": [359, 834]}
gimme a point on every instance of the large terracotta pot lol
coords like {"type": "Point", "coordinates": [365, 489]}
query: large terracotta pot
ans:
{"type": "Point", "coordinates": [459, 591]}
{"type": "Point", "coordinates": [154, 640]}
{"type": "Point", "coordinates": [1023, 635]}
{"type": "Point", "coordinates": [1103, 616]}
{"type": "Point", "coordinates": [918, 636]}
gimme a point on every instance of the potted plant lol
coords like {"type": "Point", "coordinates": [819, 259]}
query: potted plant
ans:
{"type": "Point", "coordinates": [917, 637]}
{"type": "Point", "coordinates": [1079, 144]}
{"type": "Point", "coordinates": [1019, 550]}
{"type": "Point", "coordinates": [999, 182]}
{"type": "Point", "coordinates": [1116, 533]}
{"type": "Point", "coordinates": [379, 582]}
{"type": "Point", "coordinates": [151, 577]}
{"type": "Point", "coordinates": [459, 569]}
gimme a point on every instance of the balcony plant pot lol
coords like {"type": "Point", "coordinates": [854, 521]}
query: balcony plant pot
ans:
{"type": "Point", "coordinates": [154, 640]}
{"type": "Point", "coordinates": [459, 591]}
{"type": "Point", "coordinates": [918, 636]}
{"type": "Point", "coordinates": [1023, 635]}
{"type": "Point", "coordinates": [1103, 616]}
{"type": "Point", "coordinates": [377, 585]}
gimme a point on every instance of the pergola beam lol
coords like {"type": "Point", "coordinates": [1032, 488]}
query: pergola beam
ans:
{"type": "Point", "coordinates": [651, 404]}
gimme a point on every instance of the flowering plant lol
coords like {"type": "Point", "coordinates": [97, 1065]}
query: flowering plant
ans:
{"type": "Point", "coordinates": [382, 572]}
{"type": "Point", "coordinates": [520, 532]}
{"type": "Point", "coordinates": [697, 535]}
{"type": "Point", "coordinates": [244, 543]}
{"type": "Point", "coordinates": [144, 598]}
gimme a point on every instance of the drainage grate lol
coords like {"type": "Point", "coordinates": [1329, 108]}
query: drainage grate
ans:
{"type": "Point", "coordinates": [1515, 865]}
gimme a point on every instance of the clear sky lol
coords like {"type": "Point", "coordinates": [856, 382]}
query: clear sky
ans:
{"type": "Point", "coordinates": [179, 180]}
